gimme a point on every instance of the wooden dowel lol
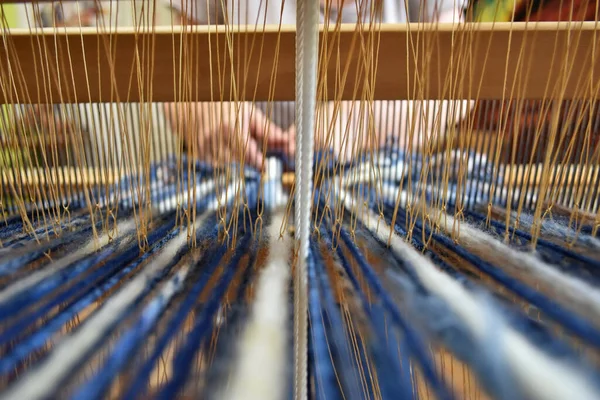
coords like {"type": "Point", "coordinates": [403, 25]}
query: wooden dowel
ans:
{"type": "Point", "coordinates": [562, 175]}
{"type": "Point", "coordinates": [61, 176]}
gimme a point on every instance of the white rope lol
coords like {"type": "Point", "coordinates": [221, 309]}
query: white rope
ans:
{"type": "Point", "coordinates": [307, 39]}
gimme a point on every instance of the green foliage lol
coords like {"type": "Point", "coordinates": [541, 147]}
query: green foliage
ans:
{"type": "Point", "coordinates": [11, 157]}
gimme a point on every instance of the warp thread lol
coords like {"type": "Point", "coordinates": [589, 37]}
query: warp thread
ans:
{"type": "Point", "coordinates": [202, 324]}
{"type": "Point", "coordinates": [388, 367]}
{"type": "Point", "coordinates": [522, 357]}
{"type": "Point", "coordinates": [573, 323]}
{"type": "Point", "coordinates": [261, 349]}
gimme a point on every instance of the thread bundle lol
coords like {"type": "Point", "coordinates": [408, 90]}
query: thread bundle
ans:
{"type": "Point", "coordinates": [393, 300]}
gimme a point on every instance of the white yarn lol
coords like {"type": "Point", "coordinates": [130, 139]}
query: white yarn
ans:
{"type": "Point", "coordinates": [540, 376]}
{"type": "Point", "coordinates": [553, 228]}
{"type": "Point", "coordinates": [90, 246]}
{"type": "Point", "coordinates": [200, 191]}
{"type": "Point", "coordinates": [261, 365]}
{"type": "Point", "coordinates": [571, 291]}
{"type": "Point", "coordinates": [87, 248]}
{"type": "Point", "coordinates": [38, 382]}
{"type": "Point", "coordinates": [273, 186]}
{"type": "Point", "coordinates": [123, 228]}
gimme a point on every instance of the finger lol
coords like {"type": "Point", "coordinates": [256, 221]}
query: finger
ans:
{"type": "Point", "coordinates": [242, 145]}
{"type": "Point", "coordinates": [289, 148]}
{"type": "Point", "coordinates": [254, 155]}
{"type": "Point", "coordinates": [284, 142]}
{"type": "Point", "coordinates": [265, 130]}
{"type": "Point", "coordinates": [276, 136]}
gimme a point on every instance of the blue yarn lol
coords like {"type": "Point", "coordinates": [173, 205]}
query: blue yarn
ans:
{"type": "Point", "coordinates": [123, 258]}
{"type": "Point", "coordinates": [209, 262]}
{"type": "Point", "coordinates": [24, 299]}
{"type": "Point", "coordinates": [399, 168]}
{"type": "Point", "coordinates": [127, 345]}
{"type": "Point", "coordinates": [19, 240]}
{"type": "Point", "coordinates": [79, 220]}
{"type": "Point", "coordinates": [139, 384]}
{"type": "Point", "coordinates": [535, 331]}
{"type": "Point", "coordinates": [576, 325]}
{"type": "Point", "coordinates": [12, 264]}
{"type": "Point", "coordinates": [334, 325]}
{"type": "Point", "coordinates": [552, 252]}
{"type": "Point", "coordinates": [416, 345]}
{"type": "Point", "coordinates": [325, 380]}
{"type": "Point", "coordinates": [39, 338]}
{"type": "Point", "coordinates": [441, 322]}
{"type": "Point", "coordinates": [387, 365]}
{"type": "Point", "coordinates": [252, 194]}
{"type": "Point", "coordinates": [362, 359]}
{"type": "Point", "coordinates": [129, 310]}
{"type": "Point", "coordinates": [559, 225]}
{"type": "Point", "coordinates": [420, 246]}
{"type": "Point", "coordinates": [13, 224]}
{"type": "Point", "coordinates": [405, 368]}
{"type": "Point", "coordinates": [27, 299]}
{"type": "Point", "coordinates": [165, 178]}
{"type": "Point", "coordinates": [394, 371]}
{"type": "Point", "coordinates": [202, 326]}
{"type": "Point", "coordinates": [10, 225]}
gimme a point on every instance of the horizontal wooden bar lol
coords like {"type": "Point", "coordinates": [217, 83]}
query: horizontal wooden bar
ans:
{"type": "Point", "coordinates": [444, 61]}
{"type": "Point", "coordinates": [64, 176]}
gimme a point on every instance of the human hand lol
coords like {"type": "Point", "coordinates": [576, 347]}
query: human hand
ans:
{"type": "Point", "coordinates": [221, 133]}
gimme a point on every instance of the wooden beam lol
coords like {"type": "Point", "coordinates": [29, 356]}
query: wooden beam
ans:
{"type": "Point", "coordinates": [483, 61]}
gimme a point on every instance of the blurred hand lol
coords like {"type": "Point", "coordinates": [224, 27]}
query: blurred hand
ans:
{"type": "Point", "coordinates": [220, 133]}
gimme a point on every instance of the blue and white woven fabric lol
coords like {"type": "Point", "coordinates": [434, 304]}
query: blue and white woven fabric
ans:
{"type": "Point", "coordinates": [397, 305]}
{"type": "Point", "coordinates": [441, 177]}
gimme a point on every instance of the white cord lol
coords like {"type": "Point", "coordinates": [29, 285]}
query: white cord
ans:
{"type": "Point", "coordinates": [307, 39]}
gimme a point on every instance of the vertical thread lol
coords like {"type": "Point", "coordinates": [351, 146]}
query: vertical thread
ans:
{"type": "Point", "coordinates": [307, 20]}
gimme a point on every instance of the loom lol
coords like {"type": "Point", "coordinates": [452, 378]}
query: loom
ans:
{"type": "Point", "coordinates": [414, 217]}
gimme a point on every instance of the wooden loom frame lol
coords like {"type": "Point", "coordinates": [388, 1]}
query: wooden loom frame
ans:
{"type": "Point", "coordinates": [497, 52]}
